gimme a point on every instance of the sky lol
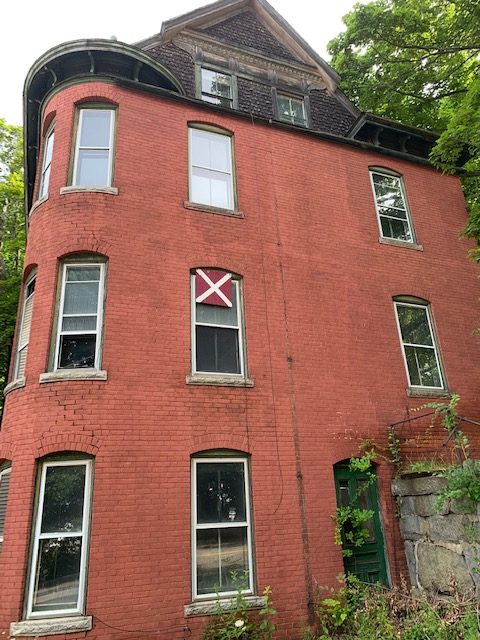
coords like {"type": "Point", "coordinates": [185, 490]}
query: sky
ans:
{"type": "Point", "coordinates": [31, 27]}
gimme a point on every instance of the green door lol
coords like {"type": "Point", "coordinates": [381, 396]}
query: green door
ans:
{"type": "Point", "coordinates": [368, 561]}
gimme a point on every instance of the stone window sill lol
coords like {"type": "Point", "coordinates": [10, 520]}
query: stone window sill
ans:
{"type": "Point", "coordinates": [232, 213]}
{"type": "Point", "coordinates": [210, 607]}
{"type": "Point", "coordinates": [113, 191]}
{"type": "Point", "coordinates": [37, 203]}
{"type": "Point", "coordinates": [224, 380]}
{"type": "Point", "coordinates": [14, 384]}
{"type": "Point", "coordinates": [425, 392]}
{"type": "Point", "coordinates": [393, 242]}
{"type": "Point", "coordinates": [72, 374]}
{"type": "Point", "coordinates": [51, 626]}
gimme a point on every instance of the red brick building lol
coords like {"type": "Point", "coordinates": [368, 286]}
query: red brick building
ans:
{"type": "Point", "coordinates": [232, 278]}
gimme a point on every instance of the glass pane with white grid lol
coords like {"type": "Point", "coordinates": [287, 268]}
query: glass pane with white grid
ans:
{"type": "Point", "coordinates": [418, 343]}
{"type": "Point", "coordinates": [47, 161]}
{"type": "Point", "coordinates": [80, 317]}
{"type": "Point", "coordinates": [216, 87]}
{"type": "Point", "coordinates": [222, 537]}
{"type": "Point", "coordinates": [94, 148]}
{"type": "Point", "coordinates": [391, 207]}
{"type": "Point", "coordinates": [211, 179]}
{"type": "Point", "coordinates": [291, 109]}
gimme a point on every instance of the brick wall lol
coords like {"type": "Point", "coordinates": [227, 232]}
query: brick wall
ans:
{"type": "Point", "coordinates": [322, 348]}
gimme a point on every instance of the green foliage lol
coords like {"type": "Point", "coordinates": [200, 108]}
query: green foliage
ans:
{"type": "Point", "coordinates": [359, 611]}
{"type": "Point", "coordinates": [418, 61]}
{"type": "Point", "coordinates": [463, 485]}
{"type": "Point", "coordinates": [12, 238]}
{"type": "Point", "coordinates": [240, 621]}
{"type": "Point", "coordinates": [425, 466]}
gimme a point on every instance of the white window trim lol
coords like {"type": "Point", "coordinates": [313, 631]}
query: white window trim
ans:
{"type": "Point", "coordinates": [247, 523]}
{"type": "Point", "coordinates": [100, 303]}
{"type": "Point", "coordinates": [50, 134]}
{"type": "Point", "coordinates": [81, 111]}
{"type": "Point", "coordinates": [236, 282]}
{"type": "Point", "coordinates": [23, 346]}
{"type": "Point", "coordinates": [426, 307]}
{"type": "Point", "coordinates": [191, 130]}
{"type": "Point", "coordinates": [392, 174]}
{"type": "Point", "coordinates": [84, 534]}
{"type": "Point", "coordinates": [3, 473]}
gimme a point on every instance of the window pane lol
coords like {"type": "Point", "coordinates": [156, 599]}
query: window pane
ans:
{"type": "Point", "coordinates": [79, 274]}
{"type": "Point", "coordinates": [220, 492]}
{"type": "Point", "coordinates": [77, 351]}
{"type": "Point", "coordinates": [388, 196]}
{"type": "Point", "coordinates": [79, 323]}
{"type": "Point", "coordinates": [81, 297]}
{"type": "Point", "coordinates": [427, 363]}
{"type": "Point", "coordinates": [216, 83]}
{"type": "Point", "coordinates": [219, 553]}
{"type": "Point", "coordinates": [95, 128]}
{"type": "Point", "coordinates": [45, 183]}
{"type": "Point", "coordinates": [211, 187]}
{"type": "Point", "coordinates": [412, 366]}
{"type": "Point", "coordinates": [397, 229]}
{"type": "Point", "coordinates": [220, 153]}
{"type": "Point", "coordinates": [92, 168]}
{"type": "Point", "coordinates": [64, 498]}
{"type": "Point", "coordinates": [57, 578]}
{"type": "Point", "coordinates": [401, 214]}
{"type": "Point", "coordinates": [414, 325]}
{"type": "Point", "coordinates": [48, 151]}
{"type": "Point", "coordinates": [210, 150]}
{"type": "Point", "coordinates": [217, 350]}
{"type": "Point", "coordinates": [214, 314]}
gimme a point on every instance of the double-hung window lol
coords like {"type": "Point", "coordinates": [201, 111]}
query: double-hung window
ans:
{"type": "Point", "coordinates": [291, 109]}
{"type": "Point", "coordinates": [4, 486]}
{"type": "Point", "coordinates": [24, 331]}
{"type": "Point", "coordinates": [221, 537]}
{"type": "Point", "coordinates": [211, 168]}
{"type": "Point", "coordinates": [391, 205]}
{"type": "Point", "coordinates": [217, 323]}
{"type": "Point", "coordinates": [80, 316]}
{"type": "Point", "coordinates": [47, 161]}
{"type": "Point", "coordinates": [419, 345]}
{"type": "Point", "coordinates": [60, 543]}
{"type": "Point", "coordinates": [93, 161]}
{"type": "Point", "coordinates": [217, 87]}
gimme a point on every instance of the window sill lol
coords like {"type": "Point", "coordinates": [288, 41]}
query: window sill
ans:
{"type": "Point", "coordinates": [221, 380]}
{"type": "Point", "coordinates": [210, 607]}
{"type": "Point", "coordinates": [72, 374]}
{"type": "Point", "coordinates": [37, 203]}
{"type": "Point", "coordinates": [393, 242]}
{"type": "Point", "coordinates": [15, 384]}
{"type": "Point", "coordinates": [195, 206]}
{"type": "Point", "coordinates": [113, 191]}
{"type": "Point", "coordinates": [51, 626]}
{"type": "Point", "coordinates": [426, 392]}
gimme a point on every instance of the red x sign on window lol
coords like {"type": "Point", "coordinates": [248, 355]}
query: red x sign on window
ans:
{"type": "Point", "coordinates": [213, 287]}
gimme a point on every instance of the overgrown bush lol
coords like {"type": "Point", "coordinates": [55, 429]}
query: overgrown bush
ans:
{"type": "Point", "coordinates": [358, 611]}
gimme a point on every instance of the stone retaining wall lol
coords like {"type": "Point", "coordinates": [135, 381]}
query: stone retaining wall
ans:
{"type": "Point", "coordinates": [441, 546]}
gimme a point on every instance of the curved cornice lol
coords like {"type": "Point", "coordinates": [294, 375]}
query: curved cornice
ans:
{"type": "Point", "coordinates": [82, 60]}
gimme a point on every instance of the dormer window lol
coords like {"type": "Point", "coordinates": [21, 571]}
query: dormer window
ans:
{"type": "Point", "coordinates": [217, 87]}
{"type": "Point", "coordinates": [291, 109]}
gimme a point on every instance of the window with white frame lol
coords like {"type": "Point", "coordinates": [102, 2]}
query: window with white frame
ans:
{"type": "Point", "coordinates": [4, 487]}
{"type": "Point", "coordinates": [211, 168]}
{"type": "Point", "coordinates": [221, 537]}
{"type": "Point", "coordinates": [419, 345]}
{"type": "Point", "coordinates": [93, 162]}
{"type": "Point", "coordinates": [291, 109]}
{"type": "Point", "coordinates": [24, 331]}
{"type": "Point", "coordinates": [47, 161]}
{"type": "Point", "coordinates": [391, 205]}
{"type": "Point", "coordinates": [217, 87]}
{"type": "Point", "coordinates": [80, 317]}
{"type": "Point", "coordinates": [217, 344]}
{"type": "Point", "coordinates": [60, 543]}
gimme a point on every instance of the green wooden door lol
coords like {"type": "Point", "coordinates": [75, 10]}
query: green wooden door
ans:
{"type": "Point", "coordinates": [368, 561]}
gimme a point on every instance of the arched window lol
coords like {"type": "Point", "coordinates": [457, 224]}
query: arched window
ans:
{"type": "Point", "coordinates": [211, 179]}
{"type": "Point", "coordinates": [419, 344]}
{"type": "Point", "coordinates": [23, 337]}
{"type": "Point", "coordinates": [56, 585]}
{"type": "Point", "coordinates": [5, 470]}
{"type": "Point", "coordinates": [391, 205]}
{"type": "Point", "coordinates": [221, 521]}
{"type": "Point", "coordinates": [217, 331]}
{"type": "Point", "coordinates": [93, 157]}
